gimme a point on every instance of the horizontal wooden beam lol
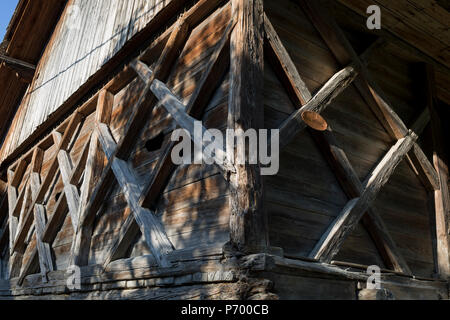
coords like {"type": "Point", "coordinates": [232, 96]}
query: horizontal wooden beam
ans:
{"type": "Point", "coordinates": [17, 63]}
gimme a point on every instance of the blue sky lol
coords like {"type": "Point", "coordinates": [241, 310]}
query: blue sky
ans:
{"type": "Point", "coordinates": [6, 11]}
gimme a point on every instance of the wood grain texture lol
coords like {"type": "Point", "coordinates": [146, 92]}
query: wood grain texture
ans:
{"type": "Point", "coordinates": [351, 184]}
{"type": "Point", "coordinates": [332, 240]}
{"type": "Point", "coordinates": [150, 227]}
{"type": "Point", "coordinates": [248, 220]}
{"type": "Point", "coordinates": [28, 218]}
{"type": "Point", "coordinates": [219, 62]}
{"type": "Point", "coordinates": [370, 91]}
{"type": "Point", "coordinates": [441, 195]}
{"type": "Point", "coordinates": [285, 68]}
{"type": "Point", "coordinates": [335, 86]}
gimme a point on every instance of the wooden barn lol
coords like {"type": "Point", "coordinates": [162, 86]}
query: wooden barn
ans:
{"type": "Point", "coordinates": [92, 205]}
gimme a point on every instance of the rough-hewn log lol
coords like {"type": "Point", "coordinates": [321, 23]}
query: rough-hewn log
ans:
{"type": "Point", "coordinates": [416, 157]}
{"type": "Point", "coordinates": [248, 220]}
{"type": "Point", "coordinates": [330, 243]}
{"type": "Point", "coordinates": [335, 86]}
{"type": "Point", "coordinates": [349, 180]}
{"type": "Point", "coordinates": [284, 67]}
{"type": "Point", "coordinates": [152, 230]}
{"type": "Point", "coordinates": [352, 186]}
{"type": "Point", "coordinates": [441, 195]}
{"type": "Point", "coordinates": [4, 232]}
{"type": "Point", "coordinates": [177, 110]}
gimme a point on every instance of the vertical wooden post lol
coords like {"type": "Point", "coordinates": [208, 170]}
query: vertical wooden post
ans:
{"type": "Point", "coordinates": [248, 220]}
{"type": "Point", "coordinates": [441, 196]}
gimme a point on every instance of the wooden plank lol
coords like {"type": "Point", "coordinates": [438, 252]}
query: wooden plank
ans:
{"type": "Point", "coordinates": [248, 219]}
{"type": "Point", "coordinates": [330, 243]}
{"type": "Point", "coordinates": [285, 68]}
{"type": "Point", "coordinates": [30, 267]}
{"type": "Point", "coordinates": [17, 63]}
{"type": "Point", "coordinates": [151, 228]}
{"type": "Point", "coordinates": [441, 195]}
{"type": "Point", "coordinates": [104, 106]}
{"type": "Point", "coordinates": [335, 86]}
{"type": "Point", "coordinates": [4, 231]}
{"type": "Point", "coordinates": [217, 66]}
{"type": "Point", "coordinates": [349, 181]}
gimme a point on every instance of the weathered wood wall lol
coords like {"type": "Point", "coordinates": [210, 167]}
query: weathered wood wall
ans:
{"type": "Point", "coordinates": [194, 205]}
{"type": "Point", "coordinates": [305, 197]}
{"type": "Point", "coordinates": [88, 35]}
{"type": "Point", "coordinates": [302, 201]}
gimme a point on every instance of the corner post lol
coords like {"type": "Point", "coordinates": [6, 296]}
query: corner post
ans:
{"type": "Point", "coordinates": [248, 219]}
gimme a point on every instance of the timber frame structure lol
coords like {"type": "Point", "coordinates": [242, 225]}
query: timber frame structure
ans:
{"type": "Point", "coordinates": [92, 158]}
